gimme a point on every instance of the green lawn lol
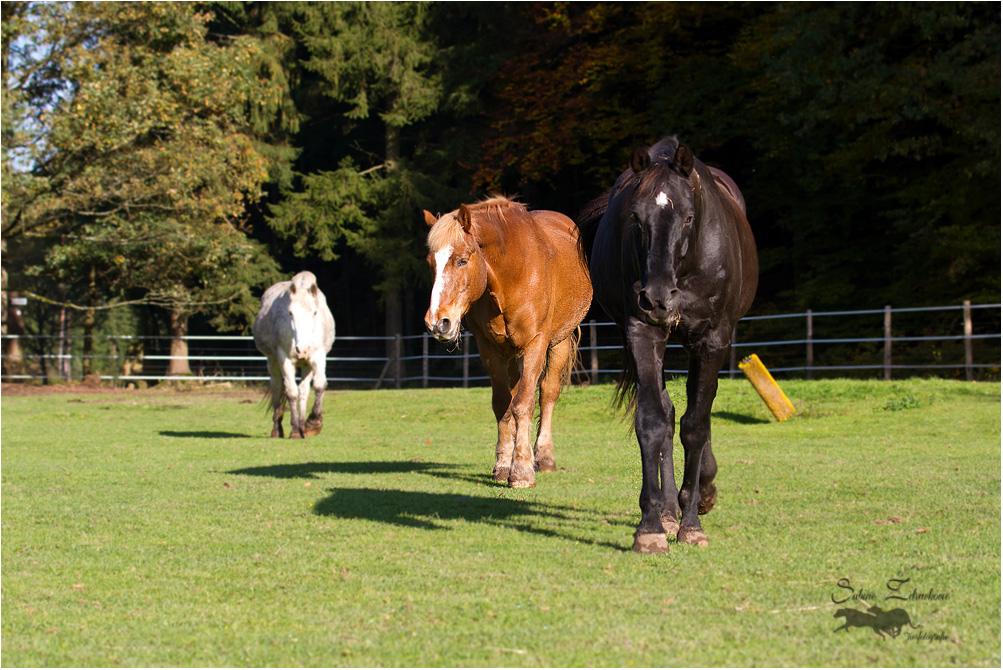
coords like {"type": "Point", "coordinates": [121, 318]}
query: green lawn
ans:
{"type": "Point", "coordinates": [165, 528]}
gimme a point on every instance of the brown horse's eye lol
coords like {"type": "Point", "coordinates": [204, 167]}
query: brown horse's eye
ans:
{"type": "Point", "coordinates": [460, 262]}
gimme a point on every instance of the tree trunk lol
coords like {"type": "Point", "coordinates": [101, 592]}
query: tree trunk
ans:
{"type": "Point", "coordinates": [88, 367]}
{"type": "Point", "coordinates": [13, 325]}
{"type": "Point", "coordinates": [178, 364]}
{"type": "Point", "coordinates": [392, 302]}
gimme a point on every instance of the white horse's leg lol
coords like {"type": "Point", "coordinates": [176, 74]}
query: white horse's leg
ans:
{"type": "Point", "coordinates": [315, 421]}
{"type": "Point", "coordinates": [292, 396]}
{"type": "Point", "coordinates": [276, 389]}
{"type": "Point", "coordinates": [303, 394]}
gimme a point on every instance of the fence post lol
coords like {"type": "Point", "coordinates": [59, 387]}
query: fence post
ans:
{"type": "Point", "coordinates": [732, 364]}
{"type": "Point", "coordinates": [595, 351]}
{"type": "Point", "coordinates": [888, 342]}
{"type": "Point", "coordinates": [398, 363]}
{"type": "Point", "coordinates": [810, 353]}
{"type": "Point", "coordinates": [424, 361]}
{"type": "Point", "coordinates": [466, 361]}
{"type": "Point", "coordinates": [967, 310]}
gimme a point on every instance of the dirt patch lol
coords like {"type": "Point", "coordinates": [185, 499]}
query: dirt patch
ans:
{"type": "Point", "coordinates": [160, 390]}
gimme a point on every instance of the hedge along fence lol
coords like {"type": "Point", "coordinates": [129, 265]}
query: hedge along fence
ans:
{"type": "Point", "coordinates": [961, 341]}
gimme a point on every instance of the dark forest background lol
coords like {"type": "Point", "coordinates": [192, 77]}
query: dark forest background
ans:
{"type": "Point", "coordinates": [173, 160]}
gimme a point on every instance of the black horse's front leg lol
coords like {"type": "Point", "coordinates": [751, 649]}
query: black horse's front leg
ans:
{"type": "Point", "coordinates": [698, 492]}
{"type": "Point", "coordinates": [653, 424]}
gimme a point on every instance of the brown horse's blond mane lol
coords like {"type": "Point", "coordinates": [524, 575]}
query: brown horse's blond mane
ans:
{"type": "Point", "coordinates": [447, 230]}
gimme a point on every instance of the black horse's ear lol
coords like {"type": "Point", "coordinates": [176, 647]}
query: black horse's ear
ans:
{"type": "Point", "coordinates": [640, 160]}
{"type": "Point", "coordinates": [684, 160]}
{"type": "Point", "coordinates": [464, 216]}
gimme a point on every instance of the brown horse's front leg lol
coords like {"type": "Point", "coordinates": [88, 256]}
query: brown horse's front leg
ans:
{"type": "Point", "coordinates": [523, 473]}
{"type": "Point", "coordinates": [550, 390]}
{"type": "Point", "coordinates": [504, 375]}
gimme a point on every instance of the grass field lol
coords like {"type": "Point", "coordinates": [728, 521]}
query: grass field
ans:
{"type": "Point", "coordinates": [163, 528]}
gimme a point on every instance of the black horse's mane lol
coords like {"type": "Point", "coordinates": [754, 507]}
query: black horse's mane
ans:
{"type": "Point", "coordinates": [589, 217]}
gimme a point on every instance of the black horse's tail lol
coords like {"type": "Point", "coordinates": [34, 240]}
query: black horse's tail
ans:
{"type": "Point", "coordinates": [625, 397]}
{"type": "Point", "coordinates": [588, 223]}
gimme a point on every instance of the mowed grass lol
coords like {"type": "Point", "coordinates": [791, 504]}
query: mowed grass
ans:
{"type": "Point", "coordinates": [166, 529]}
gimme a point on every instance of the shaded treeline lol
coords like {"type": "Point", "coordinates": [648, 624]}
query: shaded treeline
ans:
{"type": "Point", "coordinates": [184, 156]}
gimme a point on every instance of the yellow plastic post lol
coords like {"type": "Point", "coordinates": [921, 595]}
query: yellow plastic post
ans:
{"type": "Point", "coordinates": [767, 388]}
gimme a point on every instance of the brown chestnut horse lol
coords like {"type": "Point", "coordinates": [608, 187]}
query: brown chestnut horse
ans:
{"type": "Point", "coordinates": [521, 281]}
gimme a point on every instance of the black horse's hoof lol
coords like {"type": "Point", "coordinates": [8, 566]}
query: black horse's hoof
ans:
{"type": "Point", "coordinates": [708, 496]}
{"type": "Point", "coordinates": [693, 536]}
{"type": "Point", "coordinates": [650, 543]}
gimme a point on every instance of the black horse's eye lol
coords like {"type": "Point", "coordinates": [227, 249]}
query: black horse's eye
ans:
{"type": "Point", "coordinates": [689, 220]}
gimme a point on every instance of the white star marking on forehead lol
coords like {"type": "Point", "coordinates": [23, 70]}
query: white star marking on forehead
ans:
{"type": "Point", "coordinates": [662, 200]}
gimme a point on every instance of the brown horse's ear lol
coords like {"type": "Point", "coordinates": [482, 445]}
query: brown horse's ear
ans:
{"type": "Point", "coordinates": [640, 160]}
{"type": "Point", "coordinates": [684, 160]}
{"type": "Point", "coordinates": [465, 220]}
{"type": "Point", "coordinates": [430, 218]}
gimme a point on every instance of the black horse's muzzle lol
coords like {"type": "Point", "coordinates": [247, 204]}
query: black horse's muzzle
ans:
{"type": "Point", "coordinates": [659, 304]}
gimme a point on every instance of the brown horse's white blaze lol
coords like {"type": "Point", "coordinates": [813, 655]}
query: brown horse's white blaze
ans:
{"type": "Point", "coordinates": [460, 277]}
{"type": "Point", "coordinates": [519, 280]}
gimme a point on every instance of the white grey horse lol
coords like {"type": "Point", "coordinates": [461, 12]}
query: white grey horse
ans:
{"type": "Point", "coordinates": [295, 329]}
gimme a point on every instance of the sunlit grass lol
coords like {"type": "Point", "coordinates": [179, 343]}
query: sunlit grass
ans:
{"type": "Point", "coordinates": [166, 529]}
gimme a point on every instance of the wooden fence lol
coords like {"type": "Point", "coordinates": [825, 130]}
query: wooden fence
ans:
{"type": "Point", "coordinates": [961, 341]}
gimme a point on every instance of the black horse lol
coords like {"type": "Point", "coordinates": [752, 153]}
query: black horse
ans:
{"type": "Point", "coordinates": [672, 257]}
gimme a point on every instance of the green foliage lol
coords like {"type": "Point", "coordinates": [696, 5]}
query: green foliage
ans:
{"type": "Point", "coordinates": [377, 57]}
{"type": "Point", "coordinates": [865, 136]}
{"type": "Point", "coordinates": [166, 529]}
{"type": "Point", "coordinates": [881, 122]}
{"type": "Point", "coordinates": [146, 158]}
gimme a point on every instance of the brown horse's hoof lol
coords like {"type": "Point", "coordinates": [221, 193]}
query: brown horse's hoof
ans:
{"type": "Point", "coordinates": [521, 476]}
{"type": "Point", "coordinates": [500, 474]}
{"type": "Point", "coordinates": [296, 435]}
{"type": "Point", "coordinates": [670, 524]}
{"type": "Point", "coordinates": [708, 496]}
{"type": "Point", "coordinates": [650, 543]}
{"type": "Point", "coordinates": [312, 428]}
{"type": "Point", "coordinates": [277, 432]}
{"type": "Point", "coordinates": [546, 465]}
{"type": "Point", "coordinates": [694, 536]}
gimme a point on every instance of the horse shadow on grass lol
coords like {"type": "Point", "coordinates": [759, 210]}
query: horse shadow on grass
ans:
{"type": "Point", "coordinates": [204, 434]}
{"type": "Point", "coordinates": [440, 511]}
{"type": "Point", "coordinates": [734, 417]}
{"type": "Point", "coordinates": [435, 511]}
{"type": "Point", "coordinates": [313, 469]}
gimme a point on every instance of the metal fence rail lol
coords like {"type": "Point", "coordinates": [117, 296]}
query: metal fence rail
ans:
{"type": "Point", "coordinates": [961, 341]}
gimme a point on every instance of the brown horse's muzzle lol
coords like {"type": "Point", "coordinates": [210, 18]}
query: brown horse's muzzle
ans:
{"type": "Point", "coordinates": [445, 329]}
